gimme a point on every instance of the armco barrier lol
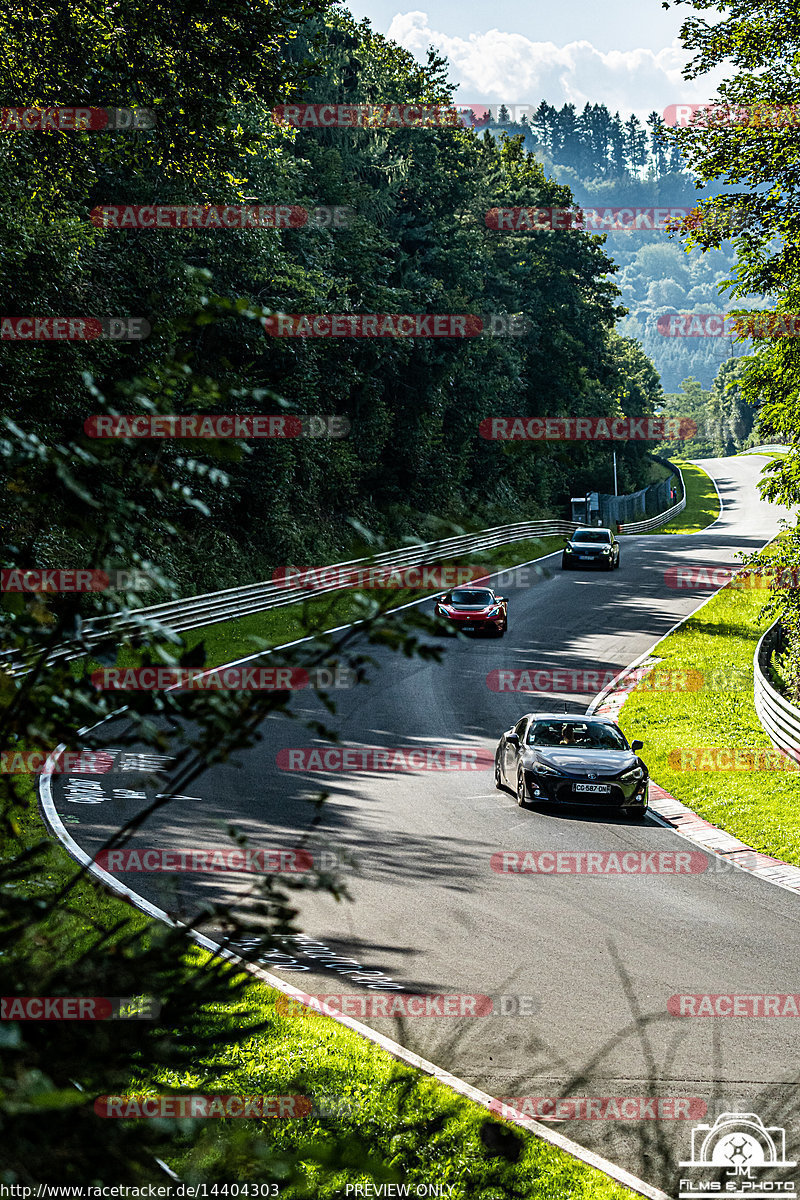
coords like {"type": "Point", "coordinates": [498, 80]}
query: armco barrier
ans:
{"type": "Point", "coordinates": [659, 519]}
{"type": "Point", "coordinates": [780, 719]}
{"type": "Point", "coordinates": [195, 611]}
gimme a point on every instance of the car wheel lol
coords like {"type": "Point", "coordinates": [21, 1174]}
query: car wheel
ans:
{"type": "Point", "coordinates": [498, 775]}
{"type": "Point", "coordinates": [521, 797]}
{"type": "Point", "coordinates": [638, 814]}
{"type": "Point", "coordinates": [564, 565]}
{"type": "Point", "coordinates": [616, 564]}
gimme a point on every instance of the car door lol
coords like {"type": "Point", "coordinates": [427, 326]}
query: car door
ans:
{"type": "Point", "coordinates": [512, 752]}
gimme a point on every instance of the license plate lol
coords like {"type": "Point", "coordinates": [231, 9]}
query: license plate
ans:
{"type": "Point", "coordinates": [586, 557]}
{"type": "Point", "coordinates": [468, 628]}
{"type": "Point", "coordinates": [604, 788]}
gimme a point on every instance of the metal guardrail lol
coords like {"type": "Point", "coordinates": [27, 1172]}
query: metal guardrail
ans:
{"type": "Point", "coordinates": [780, 718]}
{"type": "Point", "coordinates": [660, 518]}
{"type": "Point", "coordinates": [195, 611]}
{"type": "Point", "coordinates": [767, 446]}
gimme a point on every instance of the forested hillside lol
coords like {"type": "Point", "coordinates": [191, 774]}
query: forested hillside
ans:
{"type": "Point", "coordinates": [418, 243]}
{"type": "Point", "coordinates": [610, 162]}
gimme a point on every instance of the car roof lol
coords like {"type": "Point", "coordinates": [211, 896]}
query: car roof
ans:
{"type": "Point", "coordinates": [592, 529]}
{"type": "Point", "coordinates": [545, 716]}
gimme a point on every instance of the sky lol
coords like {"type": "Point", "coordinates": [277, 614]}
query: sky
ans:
{"type": "Point", "coordinates": [625, 54]}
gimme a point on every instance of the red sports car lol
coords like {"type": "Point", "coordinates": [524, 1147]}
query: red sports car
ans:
{"type": "Point", "coordinates": [474, 610]}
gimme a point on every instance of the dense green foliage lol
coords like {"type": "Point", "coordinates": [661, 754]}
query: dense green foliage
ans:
{"type": "Point", "coordinates": [202, 513]}
{"type": "Point", "coordinates": [757, 44]}
{"type": "Point", "coordinates": [418, 243]}
{"type": "Point", "coordinates": [610, 163]}
{"type": "Point", "coordinates": [725, 415]}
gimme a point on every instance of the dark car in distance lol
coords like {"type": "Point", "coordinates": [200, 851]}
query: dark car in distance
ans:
{"type": "Point", "coordinates": [591, 548]}
{"type": "Point", "coordinates": [563, 759]}
{"type": "Point", "coordinates": [474, 610]}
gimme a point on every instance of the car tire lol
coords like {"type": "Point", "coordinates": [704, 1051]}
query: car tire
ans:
{"type": "Point", "coordinates": [498, 775]}
{"type": "Point", "coordinates": [616, 564]}
{"type": "Point", "coordinates": [564, 565]}
{"type": "Point", "coordinates": [521, 797]}
{"type": "Point", "coordinates": [638, 815]}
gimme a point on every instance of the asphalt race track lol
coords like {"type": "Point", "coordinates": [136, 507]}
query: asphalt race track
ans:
{"type": "Point", "coordinates": [430, 913]}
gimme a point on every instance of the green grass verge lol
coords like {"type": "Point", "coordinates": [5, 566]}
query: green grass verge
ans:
{"type": "Point", "coordinates": [228, 640]}
{"type": "Point", "coordinates": [402, 1126]}
{"type": "Point", "coordinates": [760, 807]}
{"type": "Point", "coordinates": [415, 1130]}
{"type": "Point", "coordinates": [702, 502]}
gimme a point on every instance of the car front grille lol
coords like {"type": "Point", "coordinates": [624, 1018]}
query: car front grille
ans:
{"type": "Point", "coordinates": [562, 793]}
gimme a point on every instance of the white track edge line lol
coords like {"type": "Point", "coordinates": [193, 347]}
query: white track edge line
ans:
{"type": "Point", "coordinates": [460, 1086]}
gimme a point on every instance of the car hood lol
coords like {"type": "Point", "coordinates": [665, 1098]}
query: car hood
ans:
{"type": "Point", "coordinates": [583, 762]}
{"type": "Point", "coordinates": [469, 608]}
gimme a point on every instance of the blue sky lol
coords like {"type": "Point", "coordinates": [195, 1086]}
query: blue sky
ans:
{"type": "Point", "coordinates": [623, 53]}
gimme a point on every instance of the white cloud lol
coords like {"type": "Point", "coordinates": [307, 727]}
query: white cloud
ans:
{"type": "Point", "coordinates": [507, 68]}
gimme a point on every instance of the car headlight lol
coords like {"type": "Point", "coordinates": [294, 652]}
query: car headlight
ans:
{"type": "Point", "coordinates": [545, 769]}
{"type": "Point", "coordinates": [606, 549]}
{"type": "Point", "coordinates": [568, 550]}
{"type": "Point", "coordinates": [493, 611]}
{"type": "Point", "coordinates": [633, 775]}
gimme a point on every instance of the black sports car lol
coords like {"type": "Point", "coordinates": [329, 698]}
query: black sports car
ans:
{"type": "Point", "coordinates": [591, 548]}
{"type": "Point", "coordinates": [474, 610]}
{"type": "Point", "coordinates": [572, 760]}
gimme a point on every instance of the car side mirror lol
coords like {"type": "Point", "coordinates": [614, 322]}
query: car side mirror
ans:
{"type": "Point", "coordinates": [513, 738]}
{"type": "Point", "coordinates": [502, 599]}
{"type": "Point", "coordinates": [636, 745]}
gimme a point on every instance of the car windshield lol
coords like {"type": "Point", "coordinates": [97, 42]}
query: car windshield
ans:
{"type": "Point", "coordinates": [468, 596]}
{"type": "Point", "coordinates": [591, 535]}
{"type": "Point", "coordinates": [588, 735]}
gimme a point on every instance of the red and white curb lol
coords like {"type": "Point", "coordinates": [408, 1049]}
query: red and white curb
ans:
{"type": "Point", "coordinates": [54, 823]}
{"type": "Point", "coordinates": [674, 814]}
